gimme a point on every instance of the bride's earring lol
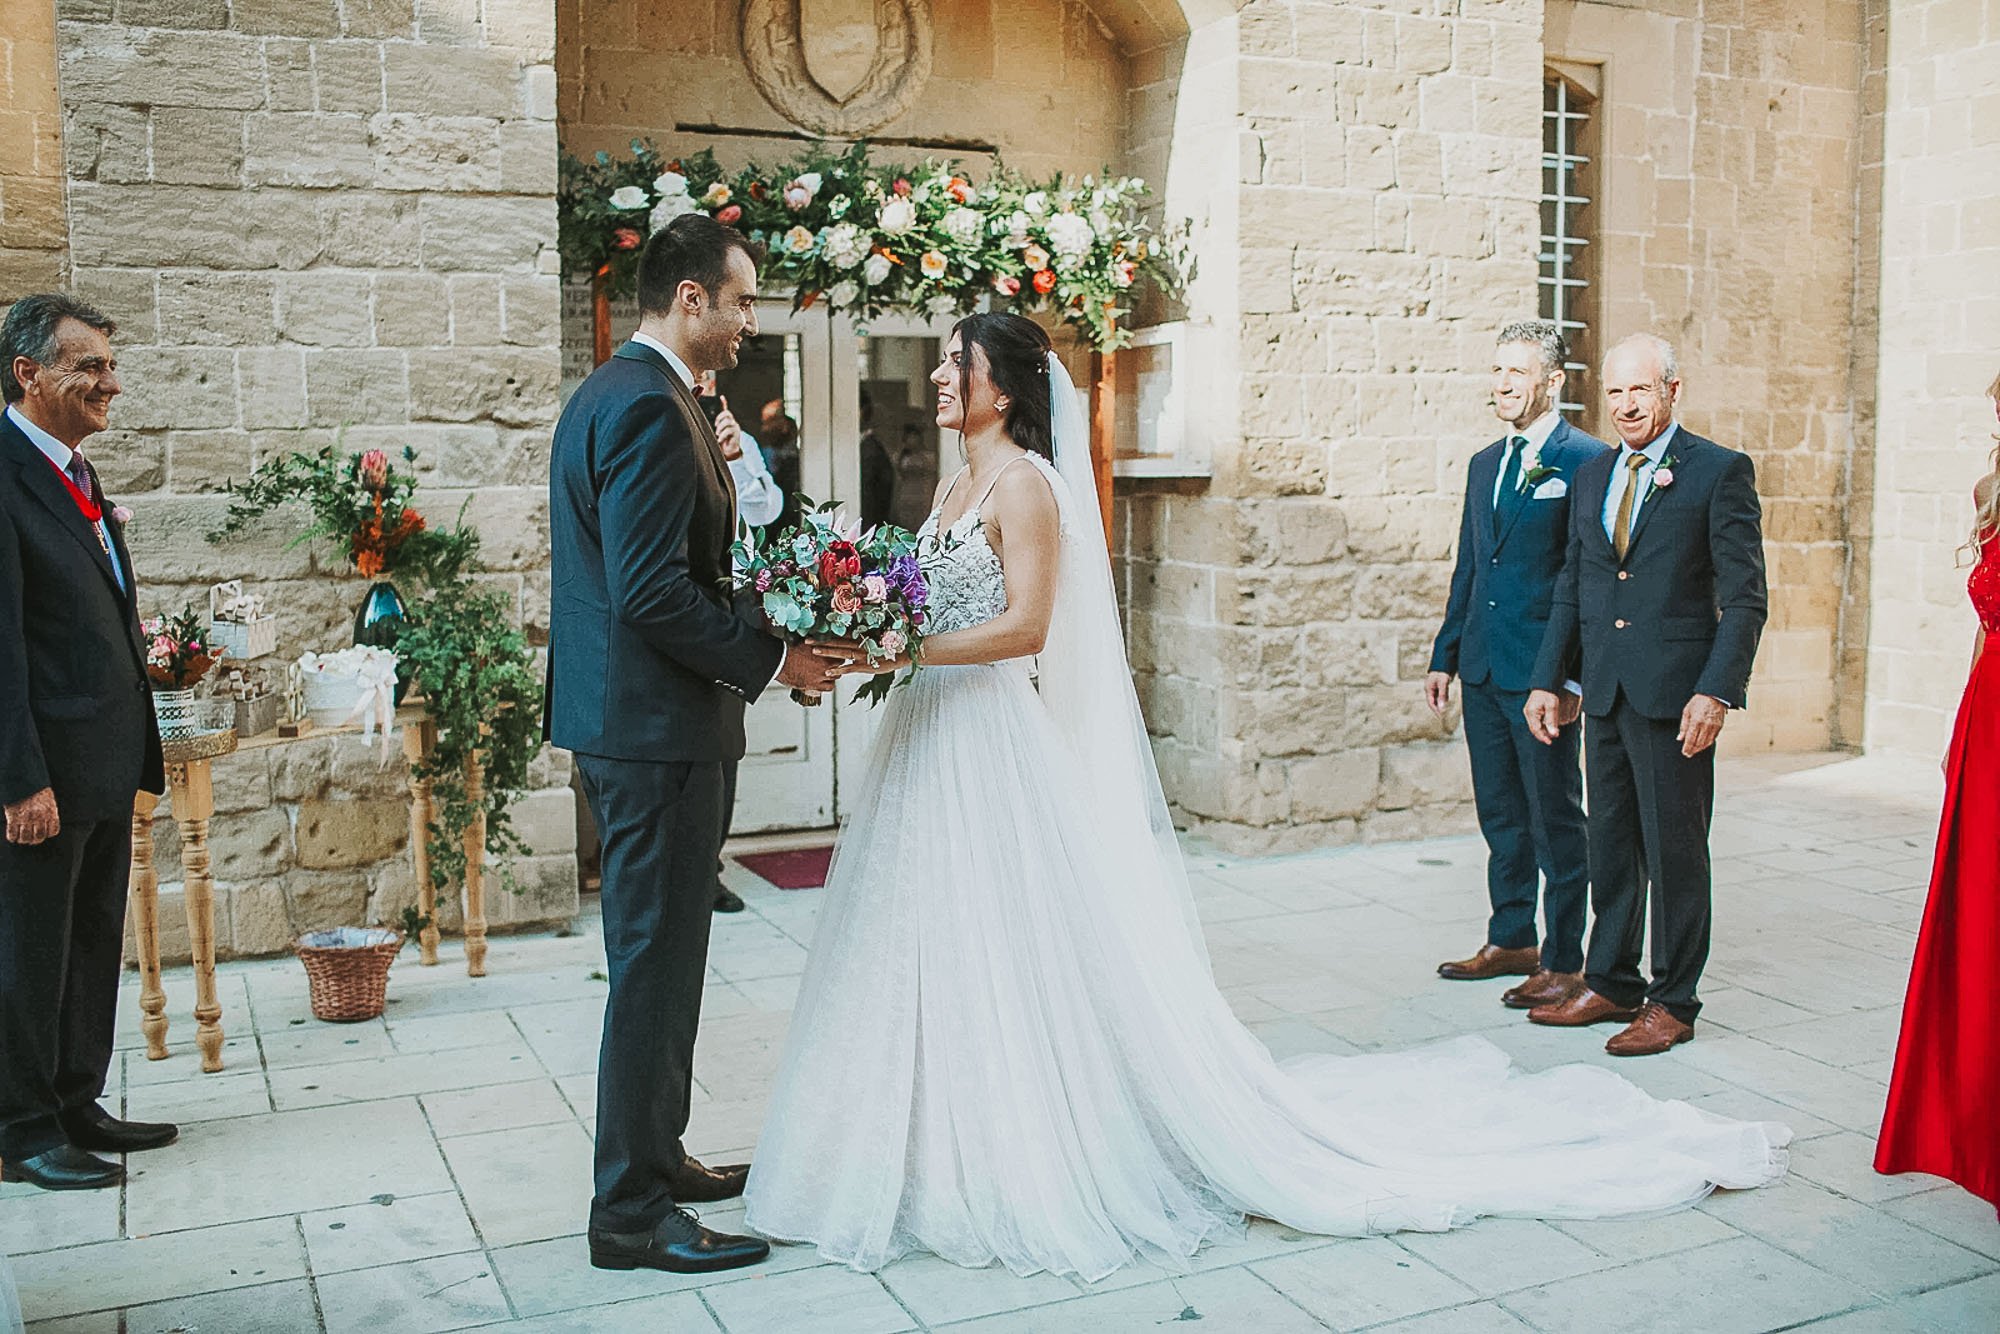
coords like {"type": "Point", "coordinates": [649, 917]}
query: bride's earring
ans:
{"type": "Point", "coordinates": [1000, 404]}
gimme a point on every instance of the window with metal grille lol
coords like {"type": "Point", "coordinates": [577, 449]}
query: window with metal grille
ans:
{"type": "Point", "coordinates": [1568, 188]}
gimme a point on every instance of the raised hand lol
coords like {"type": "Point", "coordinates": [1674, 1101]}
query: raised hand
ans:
{"type": "Point", "coordinates": [728, 432]}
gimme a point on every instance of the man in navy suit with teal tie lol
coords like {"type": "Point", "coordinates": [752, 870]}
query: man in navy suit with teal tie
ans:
{"type": "Point", "coordinates": [1513, 536]}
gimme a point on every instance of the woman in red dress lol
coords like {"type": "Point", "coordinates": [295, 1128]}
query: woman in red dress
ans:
{"type": "Point", "coordinates": [1944, 1099]}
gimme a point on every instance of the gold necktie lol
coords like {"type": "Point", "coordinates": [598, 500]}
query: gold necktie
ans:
{"type": "Point", "coordinates": [1621, 527]}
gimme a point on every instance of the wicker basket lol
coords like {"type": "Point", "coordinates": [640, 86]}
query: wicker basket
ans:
{"type": "Point", "coordinates": [347, 971]}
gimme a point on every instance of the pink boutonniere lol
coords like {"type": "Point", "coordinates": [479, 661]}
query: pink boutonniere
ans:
{"type": "Point", "coordinates": [1663, 476]}
{"type": "Point", "coordinates": [121, 514]}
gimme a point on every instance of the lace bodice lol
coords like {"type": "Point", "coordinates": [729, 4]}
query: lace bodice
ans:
{"type": "Point", "coordinates": [967, 586]}
{"type": "Point", "coordinates": [1984, 587]}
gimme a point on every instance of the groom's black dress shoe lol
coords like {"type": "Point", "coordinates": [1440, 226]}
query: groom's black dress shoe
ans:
{"type": "Point", "coordinates": [696, 1184]}
{"type": "Point", "coordinates": [65, 1167]}
{"type": "Point", "coordinates": [99, 1131]}
{"type": "Point", "coordinates": [727, 899]}
{"type": "Point", "coordinates": [679, 1245]}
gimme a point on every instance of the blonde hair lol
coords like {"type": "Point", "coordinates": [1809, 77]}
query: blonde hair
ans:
{"type": "Point", "coordinates": [1986, 496]}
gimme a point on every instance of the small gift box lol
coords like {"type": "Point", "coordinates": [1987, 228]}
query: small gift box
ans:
{"type": "Point", "coordinates": [250, 692]}
{"type": "Point", "coordinates": [238, 622]}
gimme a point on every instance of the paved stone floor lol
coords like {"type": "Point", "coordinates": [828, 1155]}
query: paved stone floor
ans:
{"type": "Point", "coordinates": [430, 1172]}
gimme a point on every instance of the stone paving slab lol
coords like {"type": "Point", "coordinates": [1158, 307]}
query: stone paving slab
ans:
{"type": "Point", "coordinates": [429, 1171]}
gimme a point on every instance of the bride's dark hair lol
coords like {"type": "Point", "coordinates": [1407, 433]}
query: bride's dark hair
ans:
{"type": "Point", "coordinates": [1017, 360]}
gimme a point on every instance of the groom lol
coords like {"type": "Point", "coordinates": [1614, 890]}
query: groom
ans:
{"type": "Point", "coordinates": [650, 666]}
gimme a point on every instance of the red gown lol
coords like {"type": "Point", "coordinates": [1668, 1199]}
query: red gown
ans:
{"type": "Point", "coordinates": [1944, 1099]}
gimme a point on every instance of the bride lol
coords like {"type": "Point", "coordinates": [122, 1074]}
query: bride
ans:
{"type": "Point", "coordinates": [1008, 1044]}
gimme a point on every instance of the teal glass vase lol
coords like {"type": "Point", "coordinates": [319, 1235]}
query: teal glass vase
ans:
{"type": "Point", "coordinates": [379, 623]}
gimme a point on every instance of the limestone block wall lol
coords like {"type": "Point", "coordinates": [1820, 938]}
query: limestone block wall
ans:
{"type": "Point", "coordinates": [1387, 165]}
{"type": "Point", "coordinates": [1727, 216]}
{"type": "Point", "coordinates": [33, 239]}
{"type": "Point", "coordinates": [1940, 348]}
{"type": "Point", "coordinates": [320, 221]}
{"type": "Point", "coordinates": [1042, 80]}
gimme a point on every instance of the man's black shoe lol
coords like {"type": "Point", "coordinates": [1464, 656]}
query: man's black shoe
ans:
{"type": "Point", "coordinates": [99, 1131]}
{"type": "Point", "coordinates": [727, 899]}
{"type": "Point", "coordinates": [64, 1167]}
{"type": "Point", "coordinates": [695, 1183]}
{"type": "Point", "coordinates": [678, 1245]}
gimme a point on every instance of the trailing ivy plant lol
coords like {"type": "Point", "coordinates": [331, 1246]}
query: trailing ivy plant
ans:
{"type": "Point", "coordinates": [458, 639]}
{"type": "Point", "coordinates": [477, 675]}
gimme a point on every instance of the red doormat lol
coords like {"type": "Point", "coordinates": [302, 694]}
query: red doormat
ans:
{"type": "Point", "coordinates": [794, 868]}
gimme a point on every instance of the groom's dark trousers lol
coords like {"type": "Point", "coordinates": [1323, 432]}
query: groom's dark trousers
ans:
{"type": "Point", "coordinates": [649, 669]}
{"type": "Point", "coordinates": [1529, 797]}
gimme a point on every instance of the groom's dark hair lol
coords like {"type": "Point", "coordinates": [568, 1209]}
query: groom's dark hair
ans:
{"type": "Point", "coordinates": [692, 248]}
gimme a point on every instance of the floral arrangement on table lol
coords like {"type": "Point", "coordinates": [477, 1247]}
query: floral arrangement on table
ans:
{"type": "Point", "coordinates": [359, 501]}
{"type": "Point", "coordinates": [827, 579]}
{"type": "Point", "coordinates": [839, 229]}
{"type": "Point", "coordinates": [458, 639]}
{"type": "Point", "coordinates": [178, 654]}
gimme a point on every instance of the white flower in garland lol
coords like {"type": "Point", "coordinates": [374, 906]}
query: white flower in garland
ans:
{"type": "Point", "coordinates": [628, 197]}
{"type": "Point", "coordinates": [799, 241]}
{"type": "Point", "coordinates": [876, 269]}
{"type": "Point", "coordinates": [1017, 229]}
{"type": "Point", "coordinates": [844, 244]}
{"type": "Point", "coordinates": [1036, 202]}
{"type": "Point", "coordinates": [1100, 222]}
{"type": "Point", "coordinates": [942, 304]}
{"type": "Point", "coordinates": [669, 208]}
{"type": "Point", "coordinates": [1070, 238]}
{"type": "Point", "coordinates": [898, 216]}
{"type": "Point", "coordinates": [844, 292]}
{"type": "Point", "coordinates": [964, 225]}
{"type": "Point", "coordinates": [670, 183]}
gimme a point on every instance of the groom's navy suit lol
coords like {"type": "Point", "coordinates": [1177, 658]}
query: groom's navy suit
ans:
{"type": "Point", "coordinates": [649, 670]}
{"type": "Point", "coordinates": [1529, 797]}
{"type": "Point", "coordinates": [1679, 615]}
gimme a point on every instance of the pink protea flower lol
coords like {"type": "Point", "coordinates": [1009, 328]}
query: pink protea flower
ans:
{"type": "Point", "coordinates": [374, 470]}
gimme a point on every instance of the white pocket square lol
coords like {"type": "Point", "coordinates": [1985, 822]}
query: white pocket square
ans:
{"type": "Point", "coordinates": [1553, 489]}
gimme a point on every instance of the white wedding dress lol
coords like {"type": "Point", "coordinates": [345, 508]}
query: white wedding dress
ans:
{"type": "Point", "coordinates": [1008, 1044]}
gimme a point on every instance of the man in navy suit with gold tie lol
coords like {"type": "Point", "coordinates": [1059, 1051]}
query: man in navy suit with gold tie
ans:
{"type": "Point", "coordinates": [1512, 539]}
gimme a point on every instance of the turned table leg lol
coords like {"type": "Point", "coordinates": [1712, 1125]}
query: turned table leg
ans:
{"type": "Point", "coordinates": [194, 804]}
{"type": "Point", "coordinates": [145, 892]}
{"type": "Point", "coordinates": [475, 869]}
{"type": "Point", "coordinates": [418, 740]}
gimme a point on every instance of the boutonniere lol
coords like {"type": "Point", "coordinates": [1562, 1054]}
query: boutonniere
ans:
{"type": "Point", "coordinates": [121, 514]}
{"type": "Point", "coordinates": [1663, 476]}
{"type": "Point", "coordinates": [1535, 476]}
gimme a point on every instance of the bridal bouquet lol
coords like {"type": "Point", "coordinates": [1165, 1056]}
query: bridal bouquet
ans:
{"type": "Point", "coordinates": [824, 579]}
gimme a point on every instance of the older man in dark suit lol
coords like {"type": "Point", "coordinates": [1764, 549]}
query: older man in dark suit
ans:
{"type": "Point", "coordinates": [77, 741]}
{"type": "Point", "coordinates": [1663, 593]}
{"type": "Point", "coordinates": [1513, 535]}
{"type": "Point", "coordinates": [650, 665]}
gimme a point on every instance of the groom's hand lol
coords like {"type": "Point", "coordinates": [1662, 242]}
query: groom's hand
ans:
{"type": "Point", "coordinates": [812, 668]}
{"type": "Point", "coordinates": [1544, 713]}
{"type": "Point", "coordinates": [1437, 692]}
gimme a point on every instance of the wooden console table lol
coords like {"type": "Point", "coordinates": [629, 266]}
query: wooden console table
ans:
{"type": "Point", "coordinates": [190, 779]}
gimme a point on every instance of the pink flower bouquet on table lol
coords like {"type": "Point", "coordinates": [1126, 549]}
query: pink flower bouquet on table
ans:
{"type": "Point", "coordinates": [823, 579]}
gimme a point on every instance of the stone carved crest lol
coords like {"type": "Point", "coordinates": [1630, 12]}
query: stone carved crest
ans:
{"type": "Point", "coordinates": [801, 75]}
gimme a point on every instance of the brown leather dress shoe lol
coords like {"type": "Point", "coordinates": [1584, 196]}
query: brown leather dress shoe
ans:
{"type": "Point", "coordinates": [1492, 961]}
{"type": "Point", "coordinates": [1544, 988]}
{"type": "Point", "coordinates": [696, 1184]}
{"type": "Point", "coordinates": [1586, 1007]}
{"type": "Point", "coordinates": [1654, 1031]}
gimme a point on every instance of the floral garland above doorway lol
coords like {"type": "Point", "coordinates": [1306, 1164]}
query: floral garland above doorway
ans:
{"type": "Point", "coordinates": [840, 230]}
